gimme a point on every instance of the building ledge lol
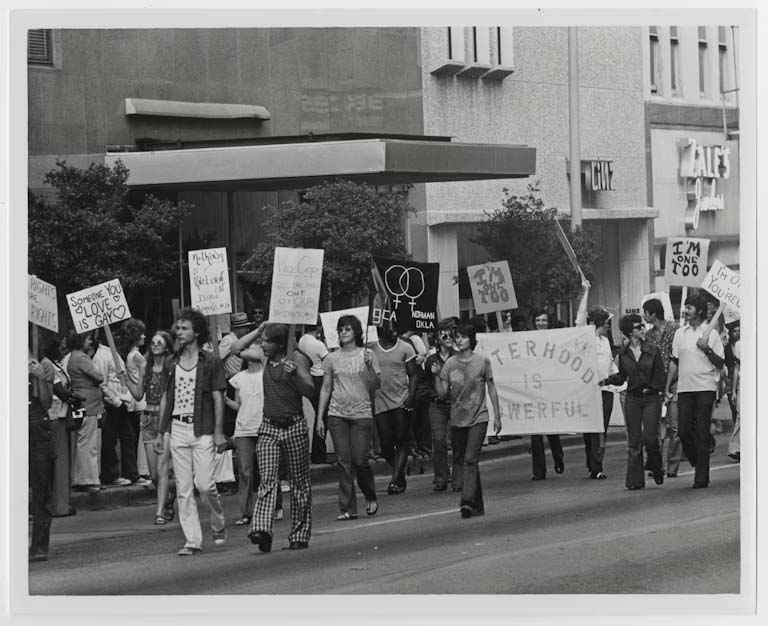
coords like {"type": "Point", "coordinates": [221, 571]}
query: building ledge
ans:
{"type": "Point", "coordinates": [449, 68]}
{"type": "Point", "coordinates": [475, 70]}
{"type": "Point", "coordinates": [200, 110]}
{"type": "Point", "coordinates": [500, 72]}
{"type": "Point", "coordinates": [436, 218]}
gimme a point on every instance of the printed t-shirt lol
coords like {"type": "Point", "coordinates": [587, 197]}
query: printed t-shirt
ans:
{"type": "Point", "coordinates": [184, 399]}
{"type": "Point", "coordinates": [351, 396]}
{"type": "Point", "coordinates": [393, 391]}
{"type": "Point", "coordinates": [466, 382]}
{"type": "Point", "coordinates": [250, 385]}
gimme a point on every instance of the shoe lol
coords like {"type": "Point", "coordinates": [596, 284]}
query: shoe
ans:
{"type": "Point", "coordinates": [394, 489]}
{"type": "Point", "coordinates": [278, 515]}
{"type": "Point", "coordinates": [439, 487]}
{"type": "Point", "coordinates": [38, 556]}
{"type": "Point", "coordinates": [538, 477]}
{"type": "Point", "coordinates": [736, 456]}
{"type": "Point", "coordinates": [298, 545]}
{"type": "Point", "coordinates": [142, 482]}
{"type": "Point", "coordinates": [120, 482]}
{"type": "Point", "coordinates": [700, 485]}
{"type": "Point", "coordinates": [188, 551]}
{"type": "Point", "coordinates": [160, 520]}
{"type": "Point", "coordinates": [597, 476]}
{"type": "Point", "coordinates": [261, 539]}
{"type": "Point", "coordinates": [371, 507]}
{"type": "Point", "coordinates": [559, 467]}
{"type": "Point", "coordinates": [243, 521]}
{"type": "Point", "coordinates": [93, 489]}
{"type": "Point", "coordinates": [634, 488]}
{"type": "Point", "coordinates": [466, 511]}
{"type": "Point", "coordinates": [72, 511]}
{"type": "Point", "coordinates": [650, 474]}
{"type": "Point", "coordinates": [169, 512]}
{"type": "Point", "coordinates": [285, 486]}
{"type": "Point", "coordinates": [346, 516]}
{"type": "Point", "coordinates": [219, 536]}
{"type": "Point", "coordinates": [658, 477]}
{"type": "Point", "coordinates": [671, 474]}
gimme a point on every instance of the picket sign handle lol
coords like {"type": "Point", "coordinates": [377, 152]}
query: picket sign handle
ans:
{"type": "Point", "coordinates": [291, 341]}
{"type": "Point", "coordinates": [113, 349]}
{"type": "Point", "coordinates": [35, 342]}
{"type": "Point", "coordinates": [713, 323]}
{"type": "Point", "coordinates": [682, 305]}
{"type": "Point", "coordinates": [214, 333]}
{"type": "Point", "coordinates": [499, 321]}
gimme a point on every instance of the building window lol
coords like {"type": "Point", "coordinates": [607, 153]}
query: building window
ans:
{"type": "Point", "coordinates": [40, 46]}
{"type": "Point", "coordinates": [655, 58]}
{"type": "Point", "coordinates": [703, 61]}
{"type": "Point", "coordinates": [456, 44]}
{"type": "Point", "coordinates": [722, 50]}
{"type": "Point", "coordinates": [674, 60]}
{"type": "Point", "coordinates": [481, 45]}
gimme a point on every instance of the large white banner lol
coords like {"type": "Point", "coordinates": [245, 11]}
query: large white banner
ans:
{"type": "Point", "coordinates": [546, 380]}
{"type": "Point", "coordinates": [209, 281]}
{"type": "Point", "coordinates": [296, 277]}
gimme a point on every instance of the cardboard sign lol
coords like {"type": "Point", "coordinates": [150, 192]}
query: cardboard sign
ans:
{"type": "Point", "coordinates": [98, 306]}
{"type": "Point", "coordinates": [686, 261]}
{"type": "Point", "coordinates": [43, 309]}
{"type": "Point", "coordinates": [410, 291]}
{"type": "Point", "coordinates": [296, 278]}
{"type": "Point", "coordinates": [331, 319]}
{"type": "Point", "coordinates": [492, 288]}
{"type": "Point", "coordinates": [663, 297]}
{"type": "Point", "coordinates": [725, 284]}
{"type": "Point", "coordinates": [546, 380]}
{"type": "Point", "coordinates": [209, 281]}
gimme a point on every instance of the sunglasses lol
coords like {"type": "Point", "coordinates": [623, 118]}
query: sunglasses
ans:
{"type": "Point", "coordinates": [446, 336]}
{"type": "Point", "coordinates": [158, 344]}
{"type": "Point", "coordinates": [638, 327]}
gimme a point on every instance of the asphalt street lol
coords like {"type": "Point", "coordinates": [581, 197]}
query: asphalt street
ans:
{"type": "Point", "coordinates": [567, 534]}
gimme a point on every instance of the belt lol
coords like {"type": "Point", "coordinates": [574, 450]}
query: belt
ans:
{"type": "Point", "coordinates": [187, 419]}
{"type": "Point", "coordinates": [290, 421]}
{"type": "Point", "coordinates": [642, 393]}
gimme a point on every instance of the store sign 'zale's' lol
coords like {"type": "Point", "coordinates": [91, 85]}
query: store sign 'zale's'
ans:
{"type": "Point", "coordinates": [703, 167]}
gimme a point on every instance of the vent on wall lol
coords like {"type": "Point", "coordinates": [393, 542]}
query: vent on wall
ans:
{"type": "Point", "coordinates": [40, 46]}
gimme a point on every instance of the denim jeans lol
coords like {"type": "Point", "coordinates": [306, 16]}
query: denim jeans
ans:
{"type": "Point", "coordinates": [439, 420]}
{"type": "Point", "coordinates": [40, 459]}
{"type": "Point", "coordinates": [695, 419]}
{"type": "Point", "coordinates": [394, 434]}
{"type": "Point", "coordinates": [668, 430]}
{"type": "Point", "coordinates": [642, 416]}
{"type": "Point", "coordinates": [467, 443]}
{"type": "Point", "coordinates": [351, 440]}
{"type": "Point", "coordinates": [539, 458]}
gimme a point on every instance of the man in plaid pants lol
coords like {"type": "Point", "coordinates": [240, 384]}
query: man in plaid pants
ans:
{"type": "Point", "coordinates": [284, 427]}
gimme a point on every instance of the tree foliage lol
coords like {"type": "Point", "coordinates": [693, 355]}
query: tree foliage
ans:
{"type": "Point", "coordinates": [90, 233]}
{"type": "Point", "coordinates": [351, 222]}
{"type": "Point", "coordinates": [523, 233]}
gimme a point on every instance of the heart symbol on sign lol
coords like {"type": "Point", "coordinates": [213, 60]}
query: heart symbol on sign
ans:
{"type": "Point", "coordinates": [119, 312]}
{"type": "Point", "coordinates": [116, 297]}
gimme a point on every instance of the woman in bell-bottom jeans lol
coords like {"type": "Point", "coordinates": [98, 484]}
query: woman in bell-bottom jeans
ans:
{"type": "Point", "coordinates": [351, 375]}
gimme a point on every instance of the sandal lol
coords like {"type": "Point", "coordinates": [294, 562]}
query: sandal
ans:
{"type": "Point", "coordinates": [371, 507]}
{"type": "Point", "coordinates": [160, 520]}
{"type": "Point", "coordinates": [169, 512]}
{"type": "Point", "coordinates": [345, 516]}
{"type": "Point", "coordinates": [243, 521]}
{"type": "Point", "coordinates": [597, 475]}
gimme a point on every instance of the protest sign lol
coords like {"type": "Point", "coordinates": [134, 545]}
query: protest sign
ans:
{"type": "Point", "coordinates": [492, 288]}
{"type": "Point", "coordinates": [725, 284]}
{"type": "Point", "coordinates": [686, 261]}
{"type": "Point", "coordinates": [296, 278]}
{"type": "Point", "coordinates": [331, 319]}
{"type": "Point", "coordinates": [411, 295]}
{"type": "Point", "coordinates": [546, 380]}
{"type": "Point", "coordinates": [663, 297]}
{"type": "Point", "coordinates": [209, 281]}
{"type": "Point", "coordinates": [98, 306]}
{"type": "Point", "coordinates": [43, 309]}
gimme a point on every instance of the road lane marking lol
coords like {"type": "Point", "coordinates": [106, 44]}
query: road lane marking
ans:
{"type": "Point", "coordinates": [394, 520]}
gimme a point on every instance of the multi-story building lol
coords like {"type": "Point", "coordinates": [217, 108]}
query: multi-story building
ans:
{"type": "Point", "coordinates": [233, 120]}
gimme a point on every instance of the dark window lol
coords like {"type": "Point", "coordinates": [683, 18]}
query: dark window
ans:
{"type": "Point", "coordinates": [655, 59]}
{"type": "Point", "coordinates": [674, 60]}
{"type": "Point", "coordinates": [40, 46]}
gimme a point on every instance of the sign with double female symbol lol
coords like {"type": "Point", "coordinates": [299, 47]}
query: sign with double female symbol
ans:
{"type": "Point", "coordinates": [411, 289]}
{"type": "Point", "coordinates": [97, 306]}
{"type": "Point", "coordinates": [492, 288]}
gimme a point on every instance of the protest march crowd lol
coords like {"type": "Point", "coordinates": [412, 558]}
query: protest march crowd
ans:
{"type": "Point", "coordinates": [186, 400]}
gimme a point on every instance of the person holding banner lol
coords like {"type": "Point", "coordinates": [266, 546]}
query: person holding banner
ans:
{"type": "Point", "coordinates": [697, 356]}
{"type": "Point", "coordinates": [465, 378]}
{"type": "Point", "coordinates": [192, 411]}
{"type": "Point", "coordinates": [351, 377]}
{"type": "Point", "coordinates": [641, 367]}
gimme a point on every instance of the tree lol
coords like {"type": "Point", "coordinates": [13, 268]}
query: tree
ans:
{"type": "Point", "coordinates": [351, 222]}
{"type": "Point", "coordinates": [90, 232]}
{"type": "Point", "coordinates": [523, 233]}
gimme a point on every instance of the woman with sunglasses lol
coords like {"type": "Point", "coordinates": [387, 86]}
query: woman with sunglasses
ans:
{"type": "Point", "coordinates": [464, 379]}
{"type": "Point", "coordinates": [350, 379]}
{"type": "Point", "coordinates": [640, 364]}
{"type": "Point", "coordinates": [153, 380]}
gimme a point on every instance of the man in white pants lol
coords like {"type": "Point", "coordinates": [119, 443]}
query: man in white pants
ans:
{"type": "Point", "coordinates": [192, 410]}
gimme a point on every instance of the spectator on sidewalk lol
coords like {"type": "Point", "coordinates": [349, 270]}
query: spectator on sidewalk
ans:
{"type": "Point", "coordinates": [697, 356]}
{"type": "Point", "coordinates": [86, 382]}
{"type": "Point", "coordinates": [133, 332]}
{"type": "Point", "coordinates": [192, 410]}
{"type": "Point", "coordinates": [734, 444]}
{"type": "Point", "coordinates": [284, 427]}
{"type": "Point", "coordinates": [316, 351]}
{"type": "Point", "coordinates": [660, 334]}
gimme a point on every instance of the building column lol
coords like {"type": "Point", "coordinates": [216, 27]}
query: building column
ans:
{"type": "Point", "coordinates": [634, 263]}
{"type": "Point", "coordinates": [443, 249]}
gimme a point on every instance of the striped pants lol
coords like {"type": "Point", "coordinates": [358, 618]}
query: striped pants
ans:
{"type": "Point", "coordinates": [294, 440]}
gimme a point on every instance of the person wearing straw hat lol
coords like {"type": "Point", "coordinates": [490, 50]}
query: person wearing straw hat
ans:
{"type": "Point", "coordinates": [239, 324]}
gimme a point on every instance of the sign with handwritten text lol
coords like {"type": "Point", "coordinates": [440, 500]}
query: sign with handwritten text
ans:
{"type": "Point", "coordinates": [43, 309]}
{"type": "Point", "coordinates": [296, 278]}
{"type": "Point", "coordinates": [209, 281]}
{"type": "Point", "coordinates": [725, 284]}
{"type": "Point", "coordinates": [98, 306]}
{"type": "Point", "coordinates": [686, 261]}
{"type": "Point", "coordinates": [492, 288]}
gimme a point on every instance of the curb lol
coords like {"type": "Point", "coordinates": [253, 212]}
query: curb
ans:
{"type": "Point", "coordinates": [323, 473]}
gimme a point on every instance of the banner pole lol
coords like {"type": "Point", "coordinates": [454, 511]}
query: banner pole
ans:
{"type": "Point", "coordinates": [113, 348]}
{"type": "Point", "coordinates": [682, 305]}
{"type": "Point", "coordinates": [214, 333]}
{"type": "Point", "coordinates": [500, 321]}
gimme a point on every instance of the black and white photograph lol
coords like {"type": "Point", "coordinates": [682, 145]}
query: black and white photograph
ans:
{"type": "Point", "coordinates": [338, 312]}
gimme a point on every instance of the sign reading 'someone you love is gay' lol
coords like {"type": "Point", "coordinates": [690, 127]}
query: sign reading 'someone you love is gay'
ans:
{"type": "Point", "coordinates": [296, 278]}
{"type": "Point", "coordinates": [97, 306]}
{"type": "Point", "coordinates": [546, 380]}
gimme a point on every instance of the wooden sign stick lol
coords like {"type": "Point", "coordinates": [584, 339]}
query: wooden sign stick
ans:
{"type": "Point", "coordinates": [500, 321]}
{"type": "Point", "coordinates": [291, 341]}
{"type": "Point", "coordinates": [35, 342]}
{"type": "Point", "coordinates": [213, 327]}
{"type": "Point", "coordinates": [682, 305]}
{"type": "Point", "coordinates": [113, 348]}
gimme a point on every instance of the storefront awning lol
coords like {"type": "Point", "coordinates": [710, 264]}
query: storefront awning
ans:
{"type": "Point", "coordinates": [435, 218]}
{"type": "Point", "coordinates": [201, 110]}
{"type": "Point", "coordinates": [299, 165]}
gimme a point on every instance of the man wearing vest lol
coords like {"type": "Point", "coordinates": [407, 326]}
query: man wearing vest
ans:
{"type": "Point", "coordinates": [284, 428]}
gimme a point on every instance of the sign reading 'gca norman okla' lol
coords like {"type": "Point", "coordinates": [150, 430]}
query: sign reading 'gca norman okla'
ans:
{"type": "Point", "coordinates": [546, 380]}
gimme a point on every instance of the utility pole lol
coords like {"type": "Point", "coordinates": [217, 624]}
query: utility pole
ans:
{"type": "Point", "coordinates": [573, 126]}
